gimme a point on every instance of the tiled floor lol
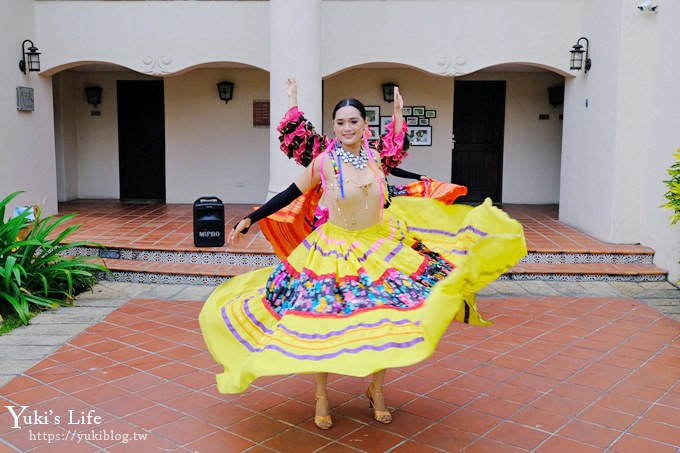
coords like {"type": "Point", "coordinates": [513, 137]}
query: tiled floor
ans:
{"type": "Point", "coordinates": [170, 226]}
{"type": "Point", "coordinates": [551, 375]}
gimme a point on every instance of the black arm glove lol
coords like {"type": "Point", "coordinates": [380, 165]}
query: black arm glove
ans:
{"type": "Point", "coordinates": [404, 174]}
{"type": "Point", "coordinates": [281, 200]}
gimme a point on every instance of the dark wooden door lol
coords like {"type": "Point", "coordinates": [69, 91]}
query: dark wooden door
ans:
{"type": "Point", "coordinates": [478, 119]}
{"type": "Point", "coordinates": [141, 139]}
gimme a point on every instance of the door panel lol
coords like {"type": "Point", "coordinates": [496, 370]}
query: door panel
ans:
{"type": "Point", "coordinates": [141, 138]}
{"type": "Point", "coordinates": [478, 125]}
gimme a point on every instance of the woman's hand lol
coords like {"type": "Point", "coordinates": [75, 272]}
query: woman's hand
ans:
{"type": "Point", "coordinates": [292, 92]}
{"type": "Point", "coordinates": [398, 107]}
{"type": "Point", "coordinates": [398, 102]}
{"type": "Point", "coordinates": [236, 233]}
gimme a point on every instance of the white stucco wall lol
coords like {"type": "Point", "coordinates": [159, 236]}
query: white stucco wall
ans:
{"type": "Point", "coordinates": [663, 138]}
{"type": "Point", "coordinates": [212, 148]}
{"type": "Point", "coordinates": [448, 37]}
{"type": "Point", "coordinates": [531, 146]}
{"type": "Point", "coordinates": [27, 159]}
{"type": "Point", "coordinates": [154, 38]}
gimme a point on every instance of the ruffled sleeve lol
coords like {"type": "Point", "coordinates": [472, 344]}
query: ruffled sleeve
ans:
{"type": "Point", "coordinates": [393, 146]}
{"type": "Point", "coordinates": [298, 138]}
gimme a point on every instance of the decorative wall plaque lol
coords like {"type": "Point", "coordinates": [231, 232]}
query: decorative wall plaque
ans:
{"type": "Point", "coordinates": [25, 99]}
{"type": "Point", "coordinates": [260, 112]}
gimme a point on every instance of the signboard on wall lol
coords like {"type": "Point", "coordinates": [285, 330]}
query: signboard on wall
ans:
{"type": "Point", "coordinates": [25, 99]}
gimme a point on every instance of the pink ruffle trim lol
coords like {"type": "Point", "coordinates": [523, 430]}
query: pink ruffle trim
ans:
{"type": "Point", "coordinates": [391, 146]}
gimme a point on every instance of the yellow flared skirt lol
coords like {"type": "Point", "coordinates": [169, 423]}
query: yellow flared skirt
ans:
{"type": "Point", "coordinates": [354, 302]}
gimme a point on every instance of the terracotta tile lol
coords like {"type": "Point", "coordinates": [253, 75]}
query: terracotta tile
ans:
{"type": "Point", "coordinates": [258, 428]}
{"type": "Point", "coordinates": [624, 404]}
{"type": "Point", "coordinates": [589, 433]}
{"type": "Point", "coordinates": [653, 430]}
{"type": "Point", "coordinates": [154, 417]}
{"type": "Point", "coordinates": [559, 444]}
{"type": "Point", "coordinates": [484, 445]}
{"type": "Point", "coordinates": [406, 447]}
{"type": "Point", "coordinates": [472, 421]}
{"type": "Point", "coordinates": [296, 440]}
{"type": "Point", "coordinates": [494, 406]}
{"type": "Point", "coordinates": [164, 392]}
{"type": "Point", "coordinates": [220, 442]}
{"type": "Point", "coordinates": [607, 417]}
{"type": "Point", "coordinates": [635, 444]}
{"type": "Point", "coordinates": [518, 435]}
{"type": "Point", "coordinates": [185, 430]}
{"type": "Point", "coordinates": [540, 419]}
{"type": "Point", "coordinates": [445, 438]}
{"type": "Point", "coordinates": [428, 408]}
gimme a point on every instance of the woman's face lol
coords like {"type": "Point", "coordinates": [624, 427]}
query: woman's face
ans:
{"type": "Point", "coordinates": [349, 126]}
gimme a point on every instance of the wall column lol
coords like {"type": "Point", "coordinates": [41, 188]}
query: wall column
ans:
{"type": "Point", "coordinates": [295, 51]}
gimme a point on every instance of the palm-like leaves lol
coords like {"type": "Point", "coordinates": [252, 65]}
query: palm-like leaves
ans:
{"type": "Point", "coordinates": [35, 270]}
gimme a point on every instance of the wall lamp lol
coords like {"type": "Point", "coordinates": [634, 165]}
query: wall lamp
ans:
{"type": "Point", "coordinates": [388, 91]}
{"type": "Point", "coordinates": [226, 91]}
{"type": "Point", "coordinates": [29, 59]}
{"type": "Point", "coordinates": [555, 96]}
{"type": "Point", "coordinates": [577, 56]}
{"type": "Point", "coordinates": [93, 95]}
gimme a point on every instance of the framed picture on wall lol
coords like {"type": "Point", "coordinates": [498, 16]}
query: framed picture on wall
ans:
{"type": "Point", "coordinates": [421, 135]}
{"type": "Point", "coordinates": [423, 121]}
{"type": "Point", "coordinates": [418, 111]}
{"type": "Point", "coordinates": [372, 114]}
{"type": "Point", "coordinates": [375, 133]}
{"type": "Point", "coordinates": [412, 120]}
{"type": "Point", "coordinates": [406, 111]}
{"type": "Point", "coordinates": [384, 121]}
{"type": "Point", "coordinates": [430, 114]}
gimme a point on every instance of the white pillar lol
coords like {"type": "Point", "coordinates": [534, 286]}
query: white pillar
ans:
{"type": "Point", "coordinates": [295, 51]}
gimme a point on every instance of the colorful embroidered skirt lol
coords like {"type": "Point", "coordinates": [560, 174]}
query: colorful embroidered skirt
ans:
{"type": "Point", "coordinates": [356, 302]}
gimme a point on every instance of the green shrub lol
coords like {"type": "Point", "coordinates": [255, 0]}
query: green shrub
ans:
{"type": "Point", "coordinates": [34, 269]}
{"type": "Point", "coordinates": [673, 194]}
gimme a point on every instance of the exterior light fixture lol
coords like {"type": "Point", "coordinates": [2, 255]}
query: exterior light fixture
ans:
{"type": "Point", "coordinates": [93, 95]}
{"type": "Point", "coordinates": [30, 59]}
{"type": "Point", "coordinates": [388, 91]}
{"type": "Point", "coordinates": [226, 91]}
{"type": "Point", "coordinates": [555, 96]}
{"type": "Point", "coordinates": [577, 56]}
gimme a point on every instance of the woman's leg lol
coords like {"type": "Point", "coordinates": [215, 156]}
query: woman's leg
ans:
{"type": "Point", "coordinates": [377, 398]}
{"type": "Point", "coordinates": [322, 418]}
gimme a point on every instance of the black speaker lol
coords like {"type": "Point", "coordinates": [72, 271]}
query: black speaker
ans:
{"type": "Point", "coordinates": [208, 222]}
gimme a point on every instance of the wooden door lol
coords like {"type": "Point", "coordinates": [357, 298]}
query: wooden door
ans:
{"type": "Point", "coordinates": [478, 125]}
{"type": "Point", "coordinates": [141, 139]}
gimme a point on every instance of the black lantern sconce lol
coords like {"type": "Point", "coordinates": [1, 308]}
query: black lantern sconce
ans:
{"type": "Point", "coordinates": [577, 56]}
{"type": "Point", "coordinates": [30, 59]}
{"type": "Point", "coordinates": [388, 91]}
{"type": "Point", "coordinates": [555, 96]}
{"type": "Point", "coordinates": [226, 91]}
{"type": "Point", "coordinates": [93, 95]}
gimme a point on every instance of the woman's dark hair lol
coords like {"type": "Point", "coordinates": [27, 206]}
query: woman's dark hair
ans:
{"type": "Point", "coordinates": [352, 103]}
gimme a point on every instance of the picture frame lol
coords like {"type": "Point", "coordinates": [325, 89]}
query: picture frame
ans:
{"type": "Point", "coordinates": [423, 121]}
{"type": "Point", "coordinates": [406, 111]}
{"type": "Point", "coordinates": [421, 135]}
{"type": "Point", "coordinates": [418, 111]}
{"type": "Point", "coordinates": [384, 121]}
{"type": "Point", "coordinates": [411, 120]}
{"type": "Point", "coordinates": [375, 133]}
{"type": "Point", "coordinates": [430, 114]}
{"type": "Point", "coordinates": [373, 114]}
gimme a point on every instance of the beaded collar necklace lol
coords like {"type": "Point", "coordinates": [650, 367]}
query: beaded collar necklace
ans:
{"type": "Point", "coordinates": [358, 161]}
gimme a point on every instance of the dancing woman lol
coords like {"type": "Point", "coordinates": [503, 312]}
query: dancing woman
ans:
{"type": "Point", "coordinates": [369, 289]}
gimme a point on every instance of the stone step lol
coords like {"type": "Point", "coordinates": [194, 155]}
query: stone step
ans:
{"type": "Point", "coordinates": [192, 272]}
